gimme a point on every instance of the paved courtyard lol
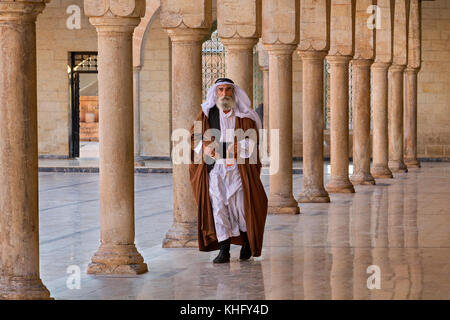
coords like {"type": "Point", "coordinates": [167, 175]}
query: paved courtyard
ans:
{"type": "Point", "coordinates": [399, 229]}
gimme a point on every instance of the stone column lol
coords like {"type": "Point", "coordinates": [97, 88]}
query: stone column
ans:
{"type": "Point", "coordinates": [281, 199]}
{"type": "Point", "coordinates": [341, 51]}
{"type": "Point", "coordinates": [263, 61]}
{"type": "Point", "coordinates": [265, 71]}
{"type": "Point", "coordinates": [361, 122]}
{"type": "Point", "coordinates": [383, 60]}
{"type": "Point", "coordinates": [313, 47]}
{"type": "Point", "coordinates": [238, 26]}
{"type": "Point", "coordinates": [137, 116]}
{"type": "Point", "coordinates": [395, 119]}
{"type": "Point", "coordinates": [115, 24]}
{"type": "Point", "coordinates": [239, 62]}
{"type": "Point", "coordinates": [380, 153]}
{"type": "Point", "coordinates": [313, 123]}
{"type": "Point", "coordinates": [395, 96]}
{"type": "Point", "coordinates": [19, 212]}
{"type": "Point", "coordinates": [362, 60]}
{"type": "Point", "coordinates": [413, 68]}
{"type": "Point", "coordinates": [280, 37]}
{"type": "Point", "coordinates": [186, 36]}
{"type": "Point", "coordinates": [339, 132]}
{"type": "Point", "coordinates": [410, 119]}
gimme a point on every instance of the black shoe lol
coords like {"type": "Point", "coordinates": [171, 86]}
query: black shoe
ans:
{"type": "Point", "coordinates": [246, 251]}
{"type": "Point", "coordinates": [224, 254]}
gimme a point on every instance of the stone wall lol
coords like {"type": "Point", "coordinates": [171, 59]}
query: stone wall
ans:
{"type": "Point", "coordinates": [433, 125]}
{"type": "Point", "coordinates": [54, 42]}
{"type": "Point", "coordinates": [155, 95]}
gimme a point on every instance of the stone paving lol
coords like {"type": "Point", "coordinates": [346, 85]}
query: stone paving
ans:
{"type": "Point", "coordinates": [401, 226]}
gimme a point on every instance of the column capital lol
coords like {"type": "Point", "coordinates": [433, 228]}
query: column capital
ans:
{"type": "Point", "coordinates": [181, 34]}
{"type": "Point", "coordinates": [397, 68]}
{"type": "Point", "coordinates": [263, 56]}
{"type": "Point", "coordinates": [377, 65]}
{"type": "Point", "coordinates": [338, 59]}
{"type": "Point", "coordinates": [279, 49]}
{"type": "Point", "coordinates": [21, 10]}
{"type": "Point", "coordinates": [114, 16]}
{"type": "Point", "coordinates": [239, 43]}
{"type": "Point", "coordinates": [312, 54]}
{"type": "Point", "coordinates": [362, 62]}
{"type": "Point", "coordinates": [412, 70]}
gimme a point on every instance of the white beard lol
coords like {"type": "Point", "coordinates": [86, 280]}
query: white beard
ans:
{"type": "Point", "coordinates": [225, 103]}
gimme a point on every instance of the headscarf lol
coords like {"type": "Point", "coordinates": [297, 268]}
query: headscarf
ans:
{"type": "Point", "coordinates": [242, 108]}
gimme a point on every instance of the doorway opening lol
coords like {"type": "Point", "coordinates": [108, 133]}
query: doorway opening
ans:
{"type": "Point", "coordinates": [84, 135]}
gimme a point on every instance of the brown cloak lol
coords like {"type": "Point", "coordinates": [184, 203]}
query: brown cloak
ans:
{"type": "Point", "coordinates": [255, 199]}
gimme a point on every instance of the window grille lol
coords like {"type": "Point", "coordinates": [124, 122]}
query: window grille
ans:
{"type": "Point", "coordinates": [213, 62]}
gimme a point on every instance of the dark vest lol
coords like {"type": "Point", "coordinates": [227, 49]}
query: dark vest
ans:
{"type": "Point", "coordinates": [214, 123]}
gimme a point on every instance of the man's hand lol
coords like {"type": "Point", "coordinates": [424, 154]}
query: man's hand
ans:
{"type": "Point", "coordinates": [209, 149]}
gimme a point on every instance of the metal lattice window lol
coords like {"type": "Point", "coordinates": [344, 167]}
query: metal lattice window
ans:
{"type": "Point", "coordinates": [213, 62]}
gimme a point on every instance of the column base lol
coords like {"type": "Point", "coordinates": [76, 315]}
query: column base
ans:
{"type": "Point", "coordinates": [381, 172]}
{"type": "Point", "coordinates": [313, 196]}
{"type": "Point", "coordinates": [117, 259]}
{"type": "Point", "coordinates": [412, 163]}
{"type": "Point", "coordinates": [139, 161]}
{"type": "Point", "coordinates": [23, 289]}
{"type": "Point", "coordinates": [337, 185]}
{"type": "Point", "coordinates": [181, 235]}
{"type": "Point", "coordinates": [362, 179]}
{"type": "Point", "coordinates": [397, 166]}
{"type": "Point", "coordinates": [282, 205]}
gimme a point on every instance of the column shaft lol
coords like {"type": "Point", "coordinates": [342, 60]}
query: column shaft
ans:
{"type": "Point", "coordinates": [19, 212]}
{"type": "Point", "coordinates": [339, 133]}
{"type": "Point", "coordinates": [395, 119]}
{"type": "Point", "coordinates": [137, 116]}
{"type": "Point", "coordinates": [361, 122]}
{"type": "Point", "coordinates": [313, 123]}
{"type": "Point", "coordinates": [266, 116]}
{"type": "Point", "coordinates": [186, 101]}
{"type": "Point", "coordinates": [281, 199]}
{"type": "Point", "coordinates": [117, 252]}
{"type": "Point", "coordinates": [410, 119]}
{"type": "Point", "coordinates": [380, 151]}
{"type": "Point", "coordinates": [266, 97]}
{"type": "Point", "coordinates": [240, 62]}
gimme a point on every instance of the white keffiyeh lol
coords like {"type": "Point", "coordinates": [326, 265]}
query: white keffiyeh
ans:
{"type": "Point", "coordinates": [243, 107]}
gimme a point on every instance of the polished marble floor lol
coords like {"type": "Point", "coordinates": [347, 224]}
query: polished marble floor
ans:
{"type": "Point", "coordinates": [393, 237]}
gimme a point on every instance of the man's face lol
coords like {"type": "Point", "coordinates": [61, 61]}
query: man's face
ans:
{"type": "Point", "coordinates": [225, 97]}
{"type": "Point", "coordinates": [224, 90]}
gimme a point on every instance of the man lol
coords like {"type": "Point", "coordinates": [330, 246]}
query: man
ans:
{"type": "Point", "coordinates": [232, 203]}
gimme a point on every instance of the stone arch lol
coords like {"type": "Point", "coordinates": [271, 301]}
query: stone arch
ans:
{"type": "Point", "coordinates": [141, 31]}
{"type": "Point", "coordinates": [152, 68]}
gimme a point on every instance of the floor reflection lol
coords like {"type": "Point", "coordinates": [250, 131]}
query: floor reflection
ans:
{"type": "Point", "coordinates": [375, 228]}
{"type": "Point", "coordinates": [400, 227]}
